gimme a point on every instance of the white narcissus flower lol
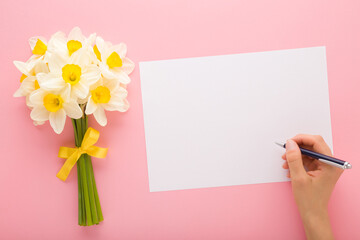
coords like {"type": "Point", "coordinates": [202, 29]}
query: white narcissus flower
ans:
{"type": "Point", "coordinates": [73, 70]}
{"type": "Point", "coordinates": [54, 106]}
{"type": "Point", "coordinates": [39, 49]}
{"type": "Point", "coordinates": [66, 46]}
{"type": "Point", "coordinates": [75, 73]}
{"type": "Point", "coordinates": [106, 95]}
{"type": "Point", "coordinates": [28, 79]}
{"type": "Point", "coordinates": [38, 45]}
{"type": "Point", "coordinates": [29, 82]}
{"type": "Point", "coordinates": [112, 60]}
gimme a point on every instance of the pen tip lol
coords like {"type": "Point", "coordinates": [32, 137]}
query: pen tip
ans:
{"type": "Point", "coordinates": [281, 145]}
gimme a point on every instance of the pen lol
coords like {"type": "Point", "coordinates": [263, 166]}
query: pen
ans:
{"type": "Point", "coordinates": [322, 158]}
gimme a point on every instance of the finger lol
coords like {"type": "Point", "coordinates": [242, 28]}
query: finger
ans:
{"type": "Point", "coordinates": [313, 142]}
{"type": "Point", "coordinates": [308, 158]}
{"type": "Point", "coordinates": [288, 175]}
{"type": "Point", "coordinates": [312, 164]}
{"type": "Point", "coordinates": [304, 156]}
{"type": "Point", "coordinates": [285, 165]}
{"type": "Point", "coordinates": [308, 163]}
{"type": "Point", "coordinates": [305, 139]}
{"type": "Point", "coordinates": [314, 173]}
{"type": "Point", "coordinates": [294, 159]}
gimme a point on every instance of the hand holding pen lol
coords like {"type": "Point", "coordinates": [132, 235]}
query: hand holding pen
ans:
{"type": "Point", "coordinates": [312, 183]}
{"type": "Point", "coordinates": [322, 157]}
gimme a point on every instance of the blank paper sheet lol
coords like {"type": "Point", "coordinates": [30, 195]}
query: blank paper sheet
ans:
{"type": "Point", "coordinates": [212, 121]}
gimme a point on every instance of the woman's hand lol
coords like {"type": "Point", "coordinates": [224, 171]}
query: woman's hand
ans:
{"type": "Point", "coordinates": [312, 183]}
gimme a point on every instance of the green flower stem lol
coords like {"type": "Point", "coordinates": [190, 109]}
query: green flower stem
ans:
{"type": "Point", "coordinates": [82, 200]}
{"type": "Point", "coordinates": [84, 183]}
{"type": "Point", "coordinates": [97, 200]}
{"type": "Point", "coordinates": [81, 220]}
{"type": "Point", "coordinates": [91, 190]}
{"type": "Point", "coordinates": [75, 132]}
{"type": "Point", "coordinates": [89, 204]}
{"type": "Point", "coordinates": [89, 176]}
{"type": "Point", "coordinates": [85, 187]}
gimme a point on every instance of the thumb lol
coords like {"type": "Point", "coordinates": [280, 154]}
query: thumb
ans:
{"type": "Point", "coordinates": [294, 159]}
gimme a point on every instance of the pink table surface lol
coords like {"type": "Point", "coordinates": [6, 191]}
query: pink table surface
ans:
{"type": "Point", "coordinates": [34, 204]}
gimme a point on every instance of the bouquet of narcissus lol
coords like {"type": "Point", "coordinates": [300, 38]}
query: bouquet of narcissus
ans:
{"type": "Point", "coordinates": [76, 76]}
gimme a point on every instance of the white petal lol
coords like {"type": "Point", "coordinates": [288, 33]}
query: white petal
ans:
{"type": "Point", "coordinates": [33, 60]}
{"type": "Point", "coordinates": [90, 107]}
{"type": "Point", "coordinates": [119, 92]}
{"type": "Point", "coordinates": [36, 123]}
{"type": "Point", "coordinates": [57, 120]}
{"type": "Point", "coordinates": [108, 44]}
{"type": "Point", "coordinates": [81, 57]}
{"type": "Point", "coordinates": [57, 43]}
{"type": "Point", "coordinates": [100, 116]}
{"type": "Point", "coordinates": [124, 107]}
{"type": "Point", "coordinates": [65, 94]}
{"type": "Point", "coordinates": [98, 83]}
{"type": "Point", "coordinates": [28, 85]}
{"type": "Point", "coordinates": [50, 81]}
{"type": "Point", "coordinates": [28, 103]}
{"type": "Point", "coordinates": [37, 97]}
{"type": "Point", "coordinates": [123, 77]}
{"type": "Point", "coordinates": [100, 44]}
{"type": "Point", "coordinates": [83, 100]}
{"type": "Point", "coordinates": [46, 58]}
{"type": "Point", "coordinates": [128, 65]}
{"type": "Point", "coordinates": [41, 67]}
{"type": "Point", "coordinates": [91, 39]}
{"type": "Point", "coordinates": [56, 63]}
{"type": "Point", "coordinates": [115, 106]}
{"type": "Point", "coordinates": [93, 58]}
{"type": "Point", "coordinates": [39, 113]}
{"type": "Point", "coordinates": [105, 71]}
{"type": "Point", "coordinates": [111, 84]}
{"type": "Point", "coordinates": [72, 109]}
{"type": "Point", "coordinates": [120, 49]}
{"type": "Point", "coordinates": [121, 105]}
{"type": "Point", "coordinates": [76, 34]}
{"type": "Point", "coordinates": [79, 90]}
{"type": "Point", "coordinates": [91, 74]}
{"type": "Point", "coordinates": [22, 67]}
{"type": "Point", "coordinates": [33, 40]}
{"type": "Point", "coordinates": [18, 93]}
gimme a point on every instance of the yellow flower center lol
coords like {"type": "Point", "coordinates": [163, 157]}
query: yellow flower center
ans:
{"type": "Point", "coordinates": [73, 46]}
{"type": "Point", "coordinates": [37, 86]}
{"type": "Point", "coordinates": [40, 48]}
{"type": "Point", "coordinates": [101, 94]}
{"type": "Point", "coordinates": [53, 102]}
{"type": "Point", "coordinates": [97, 52]}
{"type": "Point", "coordinates": [22, 78]}
{"type": "Point", "coordinates": [71, 73]}
{"type": "Point", "coordinates": [114, 60]}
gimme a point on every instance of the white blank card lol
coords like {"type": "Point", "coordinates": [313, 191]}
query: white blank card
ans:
{"type": "Point", "coordinates": [212, 121]}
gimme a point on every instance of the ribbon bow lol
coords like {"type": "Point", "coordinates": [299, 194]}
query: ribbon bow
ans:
{"type": "Point", "coordinates": [73, 154]}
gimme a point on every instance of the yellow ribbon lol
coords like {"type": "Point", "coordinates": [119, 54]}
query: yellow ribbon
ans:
{"type": "Point", "coordinates": [73, 154]}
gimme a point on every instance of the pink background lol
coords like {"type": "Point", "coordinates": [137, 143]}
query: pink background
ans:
{"type": "Point", "coordinates": [34, 204]}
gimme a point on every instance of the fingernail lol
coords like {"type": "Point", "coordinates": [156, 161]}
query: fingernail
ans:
{"type": "Point", "coordinates": [290, 145]}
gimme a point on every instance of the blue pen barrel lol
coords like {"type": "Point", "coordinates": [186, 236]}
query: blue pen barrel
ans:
{"type": "Point", "coordinates": [322, 156]}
